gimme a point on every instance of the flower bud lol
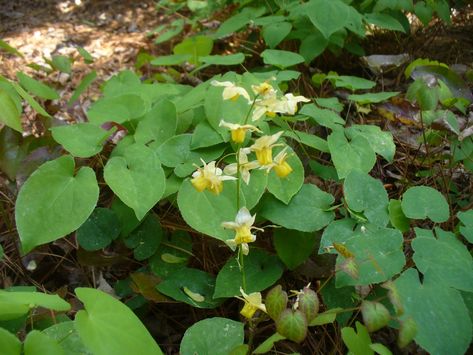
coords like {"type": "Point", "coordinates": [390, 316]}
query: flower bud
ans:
{"type": "Point", "coordinates": [375, 315]}
{"type": "Point", "coordinates": [309, 304]}
{"type": "Point", "coordinates": [276, 302]}
{"type": "Point", "coordinates": [292, 324]}
{"type": "Point", "coordinates": [407, 332]}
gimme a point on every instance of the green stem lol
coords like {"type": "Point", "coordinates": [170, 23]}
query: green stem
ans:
{"type": "Point", "coordinates": [241, 258]}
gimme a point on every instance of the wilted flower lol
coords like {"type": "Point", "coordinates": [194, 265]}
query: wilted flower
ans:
{"type": "Point", "coordinates": [209, 177]}
{"type": "Point", "coordinates": [245, 165]}
{"type": "Point", "coordinates": [253, 302]}
{"type": "Point", "coordinates": [238, 131]}
{"type": "Point", "coordinates": [263, 148]}
{"type": "Point", "coordinates": [242, 226]}
{"type": "Point", "coordinates": [231, 91]}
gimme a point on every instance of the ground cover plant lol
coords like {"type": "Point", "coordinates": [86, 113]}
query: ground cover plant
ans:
{"type": "Point", "coordinates": [229, 196]}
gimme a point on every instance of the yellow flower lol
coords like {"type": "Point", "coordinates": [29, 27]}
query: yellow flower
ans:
{"type": "Point", "coordinates": [245, 166]}
{"type": "Point", "coordinates": [253, 302]}
{"type": "Point", "coordinates": [264, 89]}
{"type": "Point", "coordinates": [209, 177]}
{"type": "Point", "coordinates": [263, 148]}
{"type": "Point", "coordinates": [238, 132]}
{"type": "Point", "coordinates": [280, 165]}
{"type": "Point", "coordinates": [270, 105]}
{"type": "Point", "coordinates": [231, 91]}
{"type": "Point", "coordinates": [242, 226]}
{"type": "Point", "coordinates": [289, 102]}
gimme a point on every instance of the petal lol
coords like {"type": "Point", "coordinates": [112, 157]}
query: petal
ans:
{"type": "Point", "coordinates": [231, 169]}
{"type": "Point", "coordinates": [222, 83]}
{"type": "Point", "coordinates": [226, 178]}
{"type": "Point", "coordinates": [230, 225]}
{"type": "Point", "coordinates": [245, 249]}
{"type": "Point", "coordinates": [245, 175]}
{"type": "Point", "coordinates": [228, 125]}
{"type": "Point", "coordinates": [243, 216]}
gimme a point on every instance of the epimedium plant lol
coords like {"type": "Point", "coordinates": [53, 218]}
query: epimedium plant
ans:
{"type": "Point", "coordinates": [223, 154]}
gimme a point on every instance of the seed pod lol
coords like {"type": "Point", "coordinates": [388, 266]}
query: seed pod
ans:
{"type": "Point", "coordinates": [292, 324]}
{"type": "Point", "coordinates": [276, 302]}
{"type": "Point", "coordinates": [309, 303]}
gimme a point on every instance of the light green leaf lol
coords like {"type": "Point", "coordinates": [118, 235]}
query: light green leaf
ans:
{"type": "Point", "coordinates": [171, 30]}
{"type": "Point", "coordinates": [205, 211]}
{"type": "Point", "coordinates": [262, 270]}
{"type": "Point", "coordinates": [381, 142]}
{"type": "Point", "coordinates": [285, 188]}
{"type": "Point", "coordinates": [197, 46]}
{"type": "Point", "coordinates": [280, 58]}
{"type": "Point", "coordinates": [67, 335]}
{"type": "Point", "coordinates": [173, 59]}
{"type": "Point", "coordinates": [118, 109]}
{"type": "Point", "coordinates": [31, 101]}
{"type": "Point", "coordinates": [323, 117]}
{"type": "Point", "coordinates": [158, 125]}
{"type": "Point", "coordinates": [268, 344]}
{"type": "Point", "coordinates": [378, 256]}
{"type": "Point", "coordinates": [327, 16]}
{"type": "Point", "coordinates": [380, 349]}
{"type": "Point", "coordinates": [36, 87]}
{"type": "Point", "coordinates": [62, 63]}
{"type": "Point", "coordinates": [230, 59]}
{"type": "Point", "coordinates": [348, 156]}
{"type": "Point", "coordinates": [331, 103]}
{"type": "Point", "coordinates": [100, 229]}
{"type": "Point", "coordinates": [239, 21]}
{"type": "Point", "coordinates": [82, 140]}
{"type": "Point", "coordinates": [325, 317]}
{"type": "Point", "coordinates": [37, 343]}
{"type": "Point", "coordinates": [448, 329]}
{"type": "Point", "coordinates": [312, 46]}
{"type": "Point", "coordinates": [338, 231]}
{"type": "Point", "coordinates": [466, 229]}
{"type": "Point", "coordinates": [9, 343]}
{"type": "Point", "coordinates": [306, 212]}
{"type": "Point", "coordinates": [255, 189]}
{"type": "Point", "coordinates": [9, 114]}
{"type": "Point", "coordinates": [351, 82]}
{"type": "Point", "coordinates": [9, 49]}
{"type": "Point", "coordinates": [216, 336]}
{"type": "Point", "coordinates": [422, 202]}
{"type": "Point", "coordinates": [107, 326]}
{"type": "Point", "coordinates": [83, 85]}
{"type": "Point", "coordinates": [85, 54]}
{"type": "Point", "coordinates": [372, 97]}
{"type": "Point", "coordinates": [293, 247]}
{"type": "Point", "coordinates": [274, 33]}
{"type": "Point", "coordinates": [53, 202]}
{"type": "Point", "coordinates": [357, 342]}
{"type": "Point", "coordinates": [367, 195]}
{"type": "Point", "coordinates": [397, 217]}
{"type": "Point", "coordinates": [205, 136]}
{"type": "Point", "coordinates": [136, 177]}
{"type": "Point", "coordinates": [444, 257]}
{"type": "Point", "coordinates": [191, 286]}
{"type": "Point", "coordinates": [308, 139]}
{"type": "Point", "coordinates": [384, 21]}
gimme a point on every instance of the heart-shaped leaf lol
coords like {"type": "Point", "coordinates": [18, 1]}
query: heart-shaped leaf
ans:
{"type": "Point", "coordinates": [422, 202]}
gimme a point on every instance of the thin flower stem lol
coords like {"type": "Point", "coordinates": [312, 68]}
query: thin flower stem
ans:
{"type": "Point", "coordinates": [241, 257]}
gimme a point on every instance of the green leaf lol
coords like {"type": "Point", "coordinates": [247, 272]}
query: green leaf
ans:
{"type": "Point", "coordinates": [323, 117]}
{"type": "Point", "coordinates": [67, 335]}
{"type": "Point", "coordinates": [268, 344]}
{"type": "Point", "coordinates": [384, 21]}
{"type": "Point", "coordinates": [467, 228]}
{"type": "Point", "coordinates": [351, 82]}
{"type": "Point", "coordinates": [327, 16]}
{"type": "Point", "coordinates": [378, 256]}
{"type": "Point", "coordinates": [255, 189]}
{"type": "Point", "coordinates": [230, 59]}
{"type": "Point", "coordinates": [380, 349]}
{"type": "Point", "coordinates": [100, 229]}
{"type": "Point", "coordinates": [285, 188]}
{"type": "Point", "coordinates": [107, 326]}
{"type": "Point", "coordinates": [83, 85]}
{"type": "Point", "coordinates": [372, 97]}
{"type": "Point", "coordinates": [9, 343]}
{"type": "Point", "coordinates": [205, 136]}
{"type": "Point", "coordinates": [136, 177]}
{"type": "Point", "coordinates": [9, 114]}
{"type": "Point", "coordinates": [36, 87]}
{"type": "Point", "coordinates": [308, 139]}
{"type": "Point", "coordinates": [82, 140]}
{"type": "Point", "coordinates": [118, 109]}
{"type": "Point", "coordinates": [158, 125]}
{"type": "Point", "coordinates": [443, 324]}
{"type": "Point", "coordinates": [375, 315]}
{"type": "Point", "coordinates": [312, 46]}
{"type": "Point", "coordinates": [338, 231]}
{"type": "Point", "coordinates": [281, 59]}
{"type": "Point", "coordinates": [53, 202]}
{"type": "Point", "coordinates": [197, 46]}
{"type": "Point", "coordinates": [306, 212]}
{"type": "Point", "coordinates": [444, 257]}
{"type": "Point", "coordinates": [292, 324]}
{"type": "Point", "coordinates": [348, 156]}
{"type": "Point", "coordinates": [274, 33]}
{"type": "Point", "coordinates": [262, 270]}
{"type": "Point", "coordinates": [205, 211]}
{"type": "Point", "coordinates": [171, 31]}
{"type": "Point", "coordinates": [423, 12]}
{"type": "Point", "coordinates": [172, 255]}
{"type": "Point", "coordinates": [62, 63]}
{"type": "Point", "coordinates": [191, 286]}
{"type": "Point", "coordinates": [126, 216]}
{"type": "Point", "coordinates": [293, 247]}
{"type": "Point", "coordinates": [216, 336]}
{"type": "Point", "coordinates": [357, 342]}
{"type": "Point", "coordinates": [37, 343]}
{"type": "Point", "coordinates": [173, 59]}
{"type": "Point", "coordinates": [422, 202]}
{"type": "Point", "coordinates": [381, 142]}
{"type": "Point", "coordinates": [9, 49]}
{"type": "Point", "coordinates": [397, 218]}
{"type": "Point", "coordinates": [331, 103]}
{"type": "Point", "coordinates": [325, 317]}
{"type": "Point", "coordinates": [367, 195]}
{"type": "Point", "coordinates": [238, 21]}
{"type": "Point", "coordinates": [85, 54]}
{"type": "Point", "coordinates": [176, 153]}
{"type": "Point", "coordinates": [146, 238]}
{"type": "Point", "coordinates": [32, 102]}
